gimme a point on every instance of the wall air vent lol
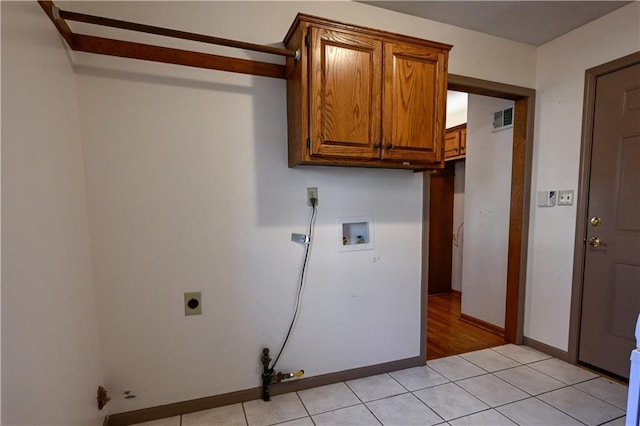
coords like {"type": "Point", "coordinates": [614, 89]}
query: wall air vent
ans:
{"type": "Point", "coordinates": [503, 119]}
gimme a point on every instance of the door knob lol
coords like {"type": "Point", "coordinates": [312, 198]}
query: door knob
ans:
{"type": "Point", "coordinates": [595, 242]}
{"type": "Point", "coordinates": [389, 146]}
{"type": "Point", "coordinates": [377, 145]}
{"type": "Point", "coordinates": [596, 221]}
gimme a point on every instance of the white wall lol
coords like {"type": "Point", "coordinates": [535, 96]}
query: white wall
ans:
{"type": "Point", "coordinates": [456, 108]}
{"type": "Point", "coordinates": [458, 226]}
{"type": "Point", "coordinates": [486, 212]}
{"type": "Point", "coordinates": [215, 213]}
{"type": "Point", "coordinates": [188, 189]}
{"type": "Point", "coordinates": [51, 363]}
{"type": "Point", "coordinates": [0, 236]}
{"type": "Point", "coordinates": [560, 85]}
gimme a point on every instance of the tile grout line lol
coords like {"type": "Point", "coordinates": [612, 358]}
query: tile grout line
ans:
{"type": "Point", "coordinates": [398, 382]}
{"type": "Point", "coordinates": [363, 403]}
{"type": "Point", "coordinates": [464, 390]}
{"type": "Point", "coordinates": [346, 406]}
{"type": "Point", "coordinates": [507, 416]}
{"type": "Point", "coordinates": [403, 393]}
{"type": "Point", "coordinates": [608, 421]}
{"type": "Point", "coordinates": [565, 385]}
{"type": "Point", "coordinates": [433, 386]}
{"type": "Point", "coordinates": [244, 412]}
{"type": "Point", "coordinates": [499, 405]}
{"type": "Point", "coordinates": [568, 385]}
{"type": "Point", "coordinates": [597, 397]}
{"type": "Point", "coordinates": [428, 387]}
{"type": "Point", "coordinates": [572, 365]}
{"type": "Point", "coordinates": [305, 409]}
{"type": "Point", "coordinates": [473, 414]}
{"type": "Point", "coordinates": [495, 371]}
{"type": "Point", "coordinates": [556, 408]}
{"type": "Point", "coordinates": [442, 374]}
{"type": "Point", "coordinates": [516, 360]}
{"type": "Point", "coordinates": [427, 405]}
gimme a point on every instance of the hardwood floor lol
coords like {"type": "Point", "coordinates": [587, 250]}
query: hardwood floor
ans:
{"type": "Point", "coordinates": [448, 335]}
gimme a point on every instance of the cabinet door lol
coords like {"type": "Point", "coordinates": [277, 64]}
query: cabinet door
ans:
{"type": "Point", "coordinates": [344, 99]}
{"type": "Point", "coordinates": [452, 144]}
{"type": "Point", "coordinates": [414, 103]}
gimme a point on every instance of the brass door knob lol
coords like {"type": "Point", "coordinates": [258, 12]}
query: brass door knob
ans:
{"type": "Point", "coordinates": [596, 221]}
{"type": "Point", "coordinates": [595, 242]}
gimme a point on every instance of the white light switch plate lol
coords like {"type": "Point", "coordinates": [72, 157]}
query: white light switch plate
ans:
{"type": "Point", "coordinates": [565, 197]}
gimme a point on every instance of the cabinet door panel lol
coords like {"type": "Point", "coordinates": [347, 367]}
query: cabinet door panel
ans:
{"type": "Point", "coordinates": [452, 144]}
{"type": "Point", "coordinates": [463, 141]}
{"type": "Point", "coordinates": [414, 103]}
{"type": "Point", "coordinates": [345, 99]}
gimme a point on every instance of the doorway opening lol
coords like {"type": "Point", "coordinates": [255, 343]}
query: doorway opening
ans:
{"type": "Point", "coordinates": [518, 215]}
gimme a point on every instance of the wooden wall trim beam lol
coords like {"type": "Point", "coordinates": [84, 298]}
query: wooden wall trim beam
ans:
{"type": "Point", "coordinates": [488, 88]}
{"type": "Point", "coordinates": [60, 24]}
{"type": "Point", "coordinates": [132, 50]}
{"type": "Point", "coordinates": [147, 52]}
{"type": "Point", "coordinates": [518, 224]}
{"type": "Point", "coordinates": [166, 32]}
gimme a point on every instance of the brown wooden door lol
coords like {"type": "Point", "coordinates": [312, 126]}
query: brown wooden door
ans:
{"type": "Point", "coordinates": [611, 288]}
{"type": "Point", "coordinates": [345, 96]}
{"type": "Point", "coordinates": [414, 103]}
{"type": "Point", "coordinates": [440, 229]}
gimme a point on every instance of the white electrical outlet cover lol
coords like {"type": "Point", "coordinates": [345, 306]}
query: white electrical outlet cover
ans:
{"type": "Point", "coordinates": [193, 303]}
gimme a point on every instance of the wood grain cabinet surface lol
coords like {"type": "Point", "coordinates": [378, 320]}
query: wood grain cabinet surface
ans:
{"type": "Point", "coordinates": [363, 97]}
{"type": "Point", "coordinates": [455, 143]}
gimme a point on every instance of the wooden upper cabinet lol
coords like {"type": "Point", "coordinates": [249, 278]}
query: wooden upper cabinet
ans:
{"type": "Point", "coordinates": [463, 140]}
{"type": "Point", "coordinates": [363, 97]}
{"type": "Point", "coordinates": [451, 144]}
{"type": "Point", "coordinates": [455, 142]}
{"type": "Point", "coordinates": [345, 96]}
{"type": "Point", "coordinates": [414, 103]}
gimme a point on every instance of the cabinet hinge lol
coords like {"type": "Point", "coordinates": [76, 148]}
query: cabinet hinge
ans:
{"type": "Point", "coordinates": [306, 40]}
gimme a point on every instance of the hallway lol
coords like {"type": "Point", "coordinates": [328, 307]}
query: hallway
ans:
{"type": "Point", "coordinates": [448, 335]}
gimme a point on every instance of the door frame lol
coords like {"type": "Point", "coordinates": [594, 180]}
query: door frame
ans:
{"type": "Point", "coordinates": [588, 112]}
{"type": "Point", "coordinates": [522, 159]}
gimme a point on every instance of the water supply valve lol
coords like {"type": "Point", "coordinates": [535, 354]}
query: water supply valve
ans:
{"type": "Point", "coordinates": [268, 376]}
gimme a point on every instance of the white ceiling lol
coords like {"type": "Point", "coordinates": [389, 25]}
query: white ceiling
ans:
{"type": "Point", "coordinates": [530, 22]}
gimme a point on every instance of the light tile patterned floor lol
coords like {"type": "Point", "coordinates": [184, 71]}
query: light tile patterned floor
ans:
{"type": "Point", "coordinates": [506, 385]}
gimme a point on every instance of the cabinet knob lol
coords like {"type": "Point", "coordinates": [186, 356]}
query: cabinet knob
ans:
{"type": "Point", "coordinates": [377, 145]}
{"type": "Point", "coordinates": [389, 146]}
